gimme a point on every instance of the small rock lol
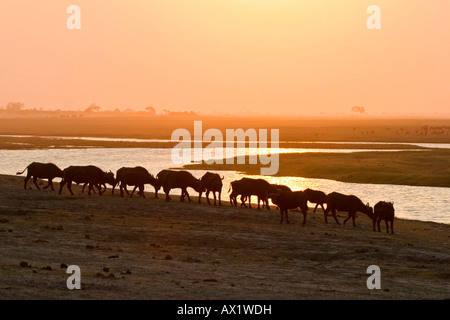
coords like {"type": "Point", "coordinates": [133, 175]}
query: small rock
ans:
{"type": "Point", "coordinates": [88, 246]}
{"type": "Point", "coordinates": [23, 264]}
{"type": "Point", "coordinates": [210, 280]}
{"type": "Point", "coordinates": [111, 275]}
{"type": "Point", "coordinates": [87, 236]}
{"type": "Point", "coordinates": [34, 271]}
{"type": "Point", "coordinates": [63, 266]}
{"type": "Point", "coordinates": [48, 268]}
{"type": "Point", "coordinates": [60, 227]}
{"type": "Point", "coordinates": [112, 257]}
{"type": "Point", "coordinates": [386, 290]}
{"type": "Point", "coordinates": [168, 257]}
{"type": "Point", "coordinates": [10, 230]}
{"type": "Point", "coordinates": [4, 220]}
{"type": "Point", "coordinates": [105, 269]}
{"type": "Point", "coordinates": [99, 274]}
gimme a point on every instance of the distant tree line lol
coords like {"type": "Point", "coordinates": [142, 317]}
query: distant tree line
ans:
{"type": "Point", "coordinates": [19, 108]}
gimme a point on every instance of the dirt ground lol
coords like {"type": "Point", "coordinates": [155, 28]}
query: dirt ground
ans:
{"type": "Point", "coordinates": [135, 248]}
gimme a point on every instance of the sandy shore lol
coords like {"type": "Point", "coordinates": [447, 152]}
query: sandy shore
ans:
{"type": "Point", "coordinates": [149, 249]}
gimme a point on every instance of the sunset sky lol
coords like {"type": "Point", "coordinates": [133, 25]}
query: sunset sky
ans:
{"type": "Point", "coordinates": [228, 56]}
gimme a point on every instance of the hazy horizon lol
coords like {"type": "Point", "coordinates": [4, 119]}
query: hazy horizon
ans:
{"type": "Point", "coordinates": [235, 57]}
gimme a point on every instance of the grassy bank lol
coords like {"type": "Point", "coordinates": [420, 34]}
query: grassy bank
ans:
{"type": "Point", "coordinates": [416, 168]}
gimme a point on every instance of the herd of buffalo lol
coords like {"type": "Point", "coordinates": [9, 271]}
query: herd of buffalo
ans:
{"type": "Point", "coordinates": [282, 196]}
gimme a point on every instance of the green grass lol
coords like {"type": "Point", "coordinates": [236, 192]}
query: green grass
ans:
{"type": "Point", "coordinates": [416, 168]}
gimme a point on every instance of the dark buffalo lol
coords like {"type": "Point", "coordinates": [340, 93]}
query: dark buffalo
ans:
{"type": "Point", "coordinates": [286, 200]}
{"type": "Point", "coordinates": [276, 188]}
{"type": "Point", "coordinates": [92, 175]}
{"type": "Point", "coordinates": [112, 182]}
{"type": "Point", "coordinates": [247, 187]}
{"type": "Point", "coordinates": [317, 197]}
{"type": "Point", "coordinates": [137, 177]}
{"type": "Point", "coordinates": [39, 170]}
{"type": "Point", "coordinates": [211, 182]}
{"type": "Point", "coordinates": [161, 177]}
{"type": "Point", "coordinates": [346, 203]}
{"type": "Point", "coordinates": [384, 210]}
{"type": "Point", "coordinates": [178, 179]}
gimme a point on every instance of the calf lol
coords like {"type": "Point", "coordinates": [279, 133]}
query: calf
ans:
{"type": "Point", "coordinates": [383, 210]}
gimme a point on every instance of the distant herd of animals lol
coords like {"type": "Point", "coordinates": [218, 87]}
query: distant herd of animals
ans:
{"type": "Point", "coordinates": [282, 196]}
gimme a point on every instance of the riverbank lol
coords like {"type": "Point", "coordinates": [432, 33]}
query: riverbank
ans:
{"type": "Point", "coordinates": [149, 249]}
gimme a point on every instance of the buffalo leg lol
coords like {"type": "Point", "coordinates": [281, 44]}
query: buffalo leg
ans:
{"type": "Point", "coordinates": [350, 215]}
{"type": "Point", "coordinates": [392, 226]}
{"type": "Point", "coordinates": [166, 191]}
{"type": "Point", "coordinates": [48, 184]}
{"type": "Point", "coordinates": [26, 180]}
{"type": "Point", "coordinates": [220, 195]}
{"type": "Point", "coordinates": [267, 204]}
{"type": "Point", "coordinates": [186, 193]}
{"type": "Point", "coordinates": [99, 188]}
{"type": "Point", "coordinates": [335, 217]}
{"type": "Point", "coordinates": [378, 224]}
{"type": "Point", "coordinates": [387, 225]}
{"type": "Point", "coordinates": [69, 186]}
{"type": "Point", "coordinates": [61, 185]}
{"type": "Point", "coordinates": [243, 200]}
{"type": "Point", "coordinates": [35, 183]}
{"type": "Point", "coordinates": [215, 198]}
{"type": "Point", "coordinates": [132, 192]}
{"type": "Point", "coordinates": [317, 204]}
{"type": "Point", "coordinates": [141, 189]}
{"type": "Point", "coordinates": [304, 217]}
{"type": "Point", "coordinates": [207, 196]}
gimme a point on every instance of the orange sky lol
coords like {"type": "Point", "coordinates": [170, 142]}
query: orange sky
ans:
{"type": "Point", "coordinates": [228, 56]}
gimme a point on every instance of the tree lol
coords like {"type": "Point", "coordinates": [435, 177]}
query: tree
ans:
{"type": "Point", "coordinates": [92, 108]}
{"type": "Point", "coordinates": [14, 106]}
{"type": "Point", "coordinates": [358, 109]}
{"type": "Point", "coordinates": [151, 110]}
